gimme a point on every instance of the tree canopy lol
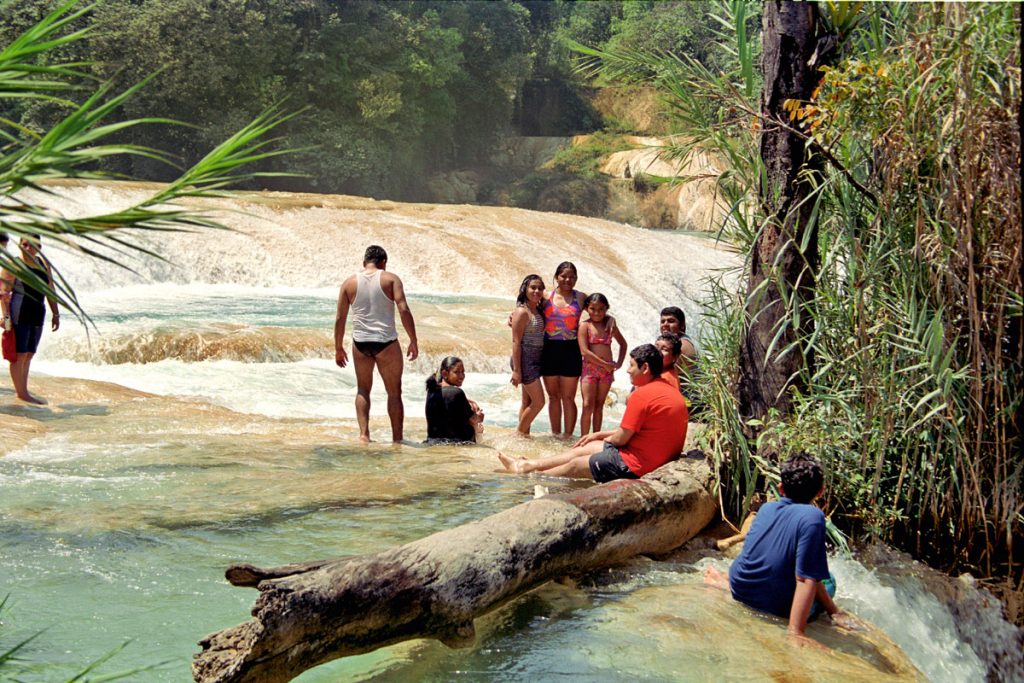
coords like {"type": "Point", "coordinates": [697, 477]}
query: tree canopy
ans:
{"type": "Point", "coordinates": [393, 91]}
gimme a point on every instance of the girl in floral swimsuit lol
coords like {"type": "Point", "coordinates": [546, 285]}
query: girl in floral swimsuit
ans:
{"type": "Point", "coordinates": [595, 340]}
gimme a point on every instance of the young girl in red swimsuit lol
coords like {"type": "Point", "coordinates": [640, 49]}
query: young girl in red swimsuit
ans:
{"type": "Point", "coordinates": [595, 339]}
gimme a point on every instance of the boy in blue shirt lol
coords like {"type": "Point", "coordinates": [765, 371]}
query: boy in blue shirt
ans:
{"type": "Point", "coordinates": [783, 568]}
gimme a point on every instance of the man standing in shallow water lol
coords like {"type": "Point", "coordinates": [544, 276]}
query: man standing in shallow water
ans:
{"type": "Point", "coordinates": [373, 295]}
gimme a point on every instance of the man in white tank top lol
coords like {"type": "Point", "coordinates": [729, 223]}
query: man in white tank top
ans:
{"type": "Point", "coordinates": [373, 295]}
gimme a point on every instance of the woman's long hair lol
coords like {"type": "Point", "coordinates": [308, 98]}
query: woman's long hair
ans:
{"type": "Point", "coordinates": [434, 381]}
{"type": "Point", "coordinates": [521, 299]}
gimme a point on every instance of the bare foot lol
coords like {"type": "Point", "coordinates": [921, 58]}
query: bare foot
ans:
{"type": "Point", "coordinates": [35, 400]}
{"type": "Point", "coordinates": [363, 438]}
{"type": "Point", "coordinates": [511, 465]}
{"type": "Point", "coordinates": [713, 577]}
{"type": "Point", "coordinates": [507, 462]}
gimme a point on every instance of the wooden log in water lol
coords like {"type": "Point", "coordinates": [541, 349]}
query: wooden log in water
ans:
{"type": "Point", "coordinates": [436, 586]}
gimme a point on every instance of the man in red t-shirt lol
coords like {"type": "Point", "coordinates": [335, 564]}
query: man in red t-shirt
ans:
{"type": "Point", "coordinates": [651, 433]}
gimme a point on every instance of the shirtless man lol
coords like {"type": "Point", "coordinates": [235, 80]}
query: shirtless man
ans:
{"type": "Point", "coordinates": [373, 295]}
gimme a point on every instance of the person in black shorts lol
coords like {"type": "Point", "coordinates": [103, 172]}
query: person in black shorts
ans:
{"type": "Point", "coordinates": [561, 362]}
{"type": "Point", "coordinates": [28, 313]}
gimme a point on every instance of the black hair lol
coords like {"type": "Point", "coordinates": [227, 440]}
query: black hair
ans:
{"type": "Point", "coordinates": [648, 353]}
{"type": "Point", "coordinates": [676, 313]}
{"type": "Point", "coordinates": [375, 255]}
{"type": "Point", "coordinates": [566, 265]}
{"type": "Point", "coordinates": [802, 477]}
{"type": "Point", "coordinates": [521, 299]}
{"type": "Point", "coordinates": [596, 298]}
{"type": "Point", "coordinates": [434, 381]}
{"type": "Point", "coordinates": [4, 239]}
{"type": "Point", "coordinates": [674, 340]}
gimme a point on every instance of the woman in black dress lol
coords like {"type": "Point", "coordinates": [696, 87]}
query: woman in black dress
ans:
{"type": "Point", "coordinates": [450, 415]}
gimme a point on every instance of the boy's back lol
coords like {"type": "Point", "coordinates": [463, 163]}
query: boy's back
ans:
{"type": "Point", "coordinates": [786, 540]}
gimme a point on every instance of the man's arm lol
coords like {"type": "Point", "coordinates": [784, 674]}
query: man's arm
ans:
{"type": "Point", "coordinates": [407, 322]}
{"type": "Point", "coordinates": [822, 596]}
{"type": "Point", "coordinates": [617, 437]}
{"type": "Point", "coordinates": [803, 599]}
{"type": "Point", "coordinates": [344, 300]}
{"type": "Point", "coordinates": [687, 354]}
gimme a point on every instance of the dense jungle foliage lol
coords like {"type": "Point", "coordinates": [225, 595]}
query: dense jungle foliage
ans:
{"type": "Point", "coordinates": [392, 92]}
{"type": "Point", "coordinates": [910, 392]}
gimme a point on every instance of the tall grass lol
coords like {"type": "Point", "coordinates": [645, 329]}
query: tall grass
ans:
{"type": "Point", "coordinates": [913, 398]}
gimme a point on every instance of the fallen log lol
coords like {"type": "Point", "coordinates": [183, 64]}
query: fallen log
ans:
{"type": "Point", "coordinates": [311, 613]}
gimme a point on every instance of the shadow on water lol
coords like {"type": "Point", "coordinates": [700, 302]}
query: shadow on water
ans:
{"type": "Point", "coordinates": [61, 411]}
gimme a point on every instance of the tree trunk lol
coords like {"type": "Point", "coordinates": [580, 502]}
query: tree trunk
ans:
{"type": "Point", "coordinates": [781, 274]}
{"type": "Point", "coordinates": [436, 586]}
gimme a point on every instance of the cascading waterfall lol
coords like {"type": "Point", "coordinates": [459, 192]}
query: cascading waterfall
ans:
{"type": "Point", "coordinates": [203, 422]}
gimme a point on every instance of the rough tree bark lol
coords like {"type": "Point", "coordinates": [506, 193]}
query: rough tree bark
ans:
{"type": "Point", "coordinates": [781, 275]}
{"type": "Point", "coordinates": [311, 613]}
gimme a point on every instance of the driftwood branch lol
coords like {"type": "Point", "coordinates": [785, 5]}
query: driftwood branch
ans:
{"type": "Point", "coordinates": [311, 613]}
{"type": "Point", "coordinates": [248, 575]}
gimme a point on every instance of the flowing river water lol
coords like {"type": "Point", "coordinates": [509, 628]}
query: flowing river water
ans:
{"type": "Point", "coordinates": [203, 422]}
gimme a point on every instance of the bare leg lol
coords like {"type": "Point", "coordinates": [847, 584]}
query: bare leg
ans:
{"type": "Point", "coordinates": [577, 468]}
{"type": "Point", "coordinates": [589, 392]}
{"type": "Point", "coordinates": [15, 369]}
{"type": "Point", "coordinates": [390, 365]}
{"type": "Point", "coordinates": [19, 377]}
{"type": "Point", "coordinates": [364, 382]}
{"type": "Point", "coordinates": [601, 395]}
{"type": "Point", "coordinates": [554, 404]}
{"type": "Point", "coordinates": [550, 464]}
{"type": "Point", "coordinates": [567, 394]}
{"type": "Point", "coordinates": [533, 403]}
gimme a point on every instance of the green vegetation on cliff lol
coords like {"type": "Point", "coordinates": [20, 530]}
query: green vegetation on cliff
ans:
{"type": "Point", "coordinates": [394, 92]}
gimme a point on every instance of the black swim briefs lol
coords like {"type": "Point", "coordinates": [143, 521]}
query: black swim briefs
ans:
{"type": "Point", "coordinates": [372, 348]}
{"type": "Point", "coordinates": [608, 465]}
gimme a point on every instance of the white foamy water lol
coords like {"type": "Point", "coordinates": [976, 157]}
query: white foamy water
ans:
{"type": "Point", "coordinates": [446, 250]}
{"type": "Point", "coordinates": [256, 304]}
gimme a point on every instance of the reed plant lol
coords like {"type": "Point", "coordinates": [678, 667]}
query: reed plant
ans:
{"type": "Point", "coordinates": [913, 394]}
